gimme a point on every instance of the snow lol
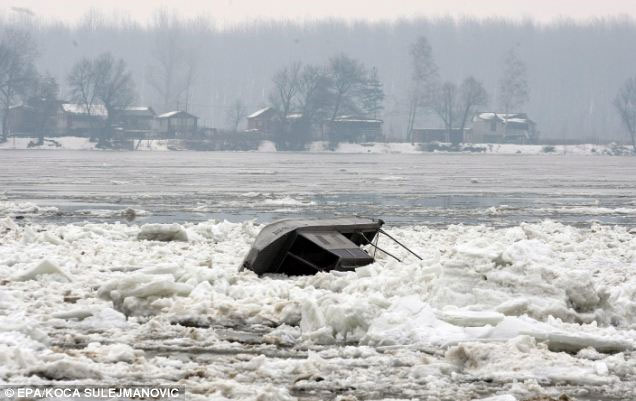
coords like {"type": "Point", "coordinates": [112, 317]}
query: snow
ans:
{"type": "Point", "coordinates": [267, 146]}
{"type": "Point", "coordinates": [42, 268]}
{"type": "Point", "coordinates": [259, 112]}
{"type": "Point", "coordinates": [96, 110]}
{"type": "Point", "coordinates": [54, 143]}
{"type": "Point", "coordinates": [157, 145]}
{"type": "Point", "coordinates": [128, 213]}
{"type": "Point", "coordinates": [24, 208]}
{"type": "Point", "coordinates": [175, 113]}
{"type": "Point", "coordinates": [79, 143]}
{"type": "Point", "coordinates": [377, 147]}
{"type": "Point", "coordinates": [286, 201]}
{"type": "Point", "coordinates": [113, 352]}
{"type": "Point", "coordinates": [488, 148]}
{"type": "Point", "coordinates": [486, 304]}
{"type": "Point", "coordinates": [505, 397]}
{"type": "Point", "coordinates": [511, 117]}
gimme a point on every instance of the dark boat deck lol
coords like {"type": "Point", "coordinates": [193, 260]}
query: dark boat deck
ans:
{"type": "Point", "coordinates": [300, 247]}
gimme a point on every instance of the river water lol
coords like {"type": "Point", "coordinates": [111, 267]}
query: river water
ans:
{"type": "Point", "coordinates": [431, 189]}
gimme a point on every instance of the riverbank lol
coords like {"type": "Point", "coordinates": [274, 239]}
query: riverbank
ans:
{"type": "Point", "coordinates": [164, 145]}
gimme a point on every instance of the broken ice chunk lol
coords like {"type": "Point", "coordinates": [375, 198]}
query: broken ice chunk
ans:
{"type": "Point", "coordinates": [162, 232]}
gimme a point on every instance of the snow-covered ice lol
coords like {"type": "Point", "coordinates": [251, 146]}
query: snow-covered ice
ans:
{"type": "Point", "coordinates": [490, 313]}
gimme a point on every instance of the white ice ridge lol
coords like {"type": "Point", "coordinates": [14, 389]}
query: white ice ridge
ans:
{"type": "Point", "coordinates": [501, 303]}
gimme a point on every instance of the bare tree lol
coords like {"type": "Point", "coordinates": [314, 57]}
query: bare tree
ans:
{"type": "Point", "coordinates": [172, 74]}
{"type": "Point", "coordinates": [320, 94]}
{"type": "Point", "coordinates": [471, 95]}
{"type": "Point", "coordinates": [625, 103]}
{"type": "Point", "coordinates": [17, 71]}
{"type": "Point", "coordinates": [425, 78]}
{"type": "Point", "coordinates": [313, 97]}
{"type": "Point", "coordinates": [115, 85]}
{"type": "Point", "coordinates": [82, 83]}
{"type": "Point", "coordinates": [444, 104]}
{"type": "Point", "coordinates": [348, 77]}
{"type": "Point", "coordinates": [513, 85]}
{"type": "Point", "coordinates": [313, 102]}
{"type": "Point", "coordinates": [236, 113]}
{"type": "Point", "coordinates": [190, 75]}
{"type": "Point", "coordinates": [455, 105]}
{"type": "Point", "coordinates": [44, 103]}
{"type": "Point", "coordinates": [413, 104]}
{"type": "Point", "coordinates": [103, 81]}
{"type": "Point", "coordinates": [286, 87]}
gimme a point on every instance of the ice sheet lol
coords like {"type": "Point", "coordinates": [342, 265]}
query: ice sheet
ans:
{"type": "Point", "coordinates": [488, 305]}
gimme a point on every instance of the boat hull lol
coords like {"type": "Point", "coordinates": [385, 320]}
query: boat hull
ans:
{"type": "Point", "coordinates": [299, 247]}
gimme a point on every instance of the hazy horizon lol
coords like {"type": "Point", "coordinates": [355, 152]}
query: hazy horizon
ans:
{"type": "Point", "coordinates": [229, 13]}
{"type": "Point", "coordinates": [575, 66]}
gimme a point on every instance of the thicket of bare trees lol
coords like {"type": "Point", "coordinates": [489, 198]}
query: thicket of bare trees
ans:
{"type": "Point", "coordinates": [453, 104]}
{"type": "Point", "coordinates": [17, 71]}
{"type": "Point", "coordinates": [102, 82]}
{"type": "Point", "coordinates": [310, 95]}
{"type": "Point", "coordinates": [285, 89]}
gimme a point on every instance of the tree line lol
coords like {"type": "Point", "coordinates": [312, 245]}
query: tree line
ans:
{"type": "Point", "coordinates": [573, 69]}
{"type": "Point", "coordinates": [102, 82]}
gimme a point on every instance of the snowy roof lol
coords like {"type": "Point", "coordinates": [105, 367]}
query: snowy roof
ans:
{"type": "Point", "coordinates": [357, 119]}
{"type": "Point", "coordinates": [19, 106]}
{"type": "Point", "coordinates": [96, 110]}
{"type": "Point", "coordinates": [520, 118]}
{"type": "Point", "coordinates": [138, 111]}
{"type": "Point", "coordinates": [517, 120]}
{"type": "Point", "coordinates": [259, 112]}
{"type": "Point", "coordinates": [175, 113]}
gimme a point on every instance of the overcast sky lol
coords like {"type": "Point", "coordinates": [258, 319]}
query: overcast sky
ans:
{"type": "Point", "coordinates": [229, 12]}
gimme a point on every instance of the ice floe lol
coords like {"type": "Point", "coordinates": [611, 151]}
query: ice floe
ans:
{"type": "Point", "coordinates": [527, 307]}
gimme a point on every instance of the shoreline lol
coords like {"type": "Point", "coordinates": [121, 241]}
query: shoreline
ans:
{"type": "Point", "coordinates": [168, 145]}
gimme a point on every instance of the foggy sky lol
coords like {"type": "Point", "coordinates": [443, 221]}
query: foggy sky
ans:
{"type": "Point", "coordinates": [230, 12]}
{"type": "Point", "coordinates": [574, 69]}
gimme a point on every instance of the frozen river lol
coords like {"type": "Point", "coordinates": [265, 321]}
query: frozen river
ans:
{"type": "Point", "coordinates": [432, 189]}
{"type": "Point", "coordinates": [531, 298]}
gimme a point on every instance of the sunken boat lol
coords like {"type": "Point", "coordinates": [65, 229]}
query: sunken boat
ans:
{"type": "Point", "coordinates": [304, 247]}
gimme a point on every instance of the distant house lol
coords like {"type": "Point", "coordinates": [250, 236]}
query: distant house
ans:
{"type": "Point", "coordinates": [21, 120]}
{"type": "Point", "coordinates": [79, 120]}
{"type": "Point", "coordinates": [177, 124]}
{"type": "Point", "coordinates": [427, 135]}
{"type": "Point", "coordinates": [62, 119]}
{"type": "Point", "coordinates": [354, 129]}
{"type": "Point", "coordinates": [136, 121]}
{"type": "Point", "coordinates": [263, 120]}
{"type": "Point", "coordinates": [503, 128]}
